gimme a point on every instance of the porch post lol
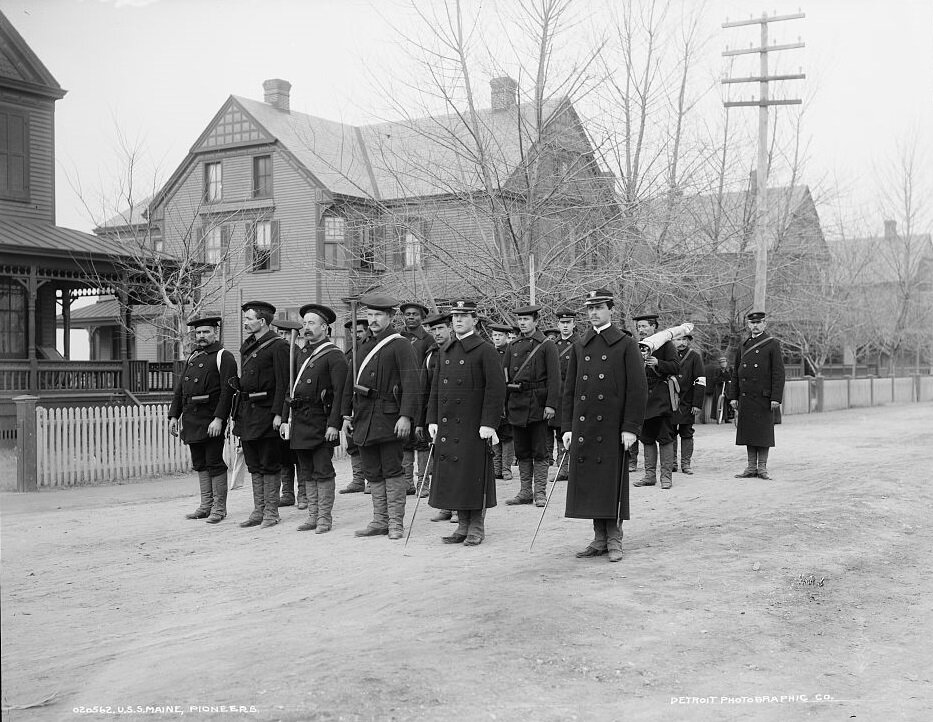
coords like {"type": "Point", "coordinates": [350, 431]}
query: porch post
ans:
{"type": "Point", "coordinates": [32, 293]}
{"type": "Point", "coordinates": [26, 465]}
{"type": "Point", "coordinates": [66, 318]}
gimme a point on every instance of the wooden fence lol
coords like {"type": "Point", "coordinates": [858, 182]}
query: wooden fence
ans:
{"type": "Point", "coordinates": [108, 443]}
{"type": "Point", "coordinates": [105, 443]}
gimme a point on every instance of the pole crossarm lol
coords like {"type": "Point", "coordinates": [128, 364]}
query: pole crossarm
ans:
{"type": "Point", "coordinates": [764, 79]}
{"type": "Point", "coordinates": [763, 19]}
{"type": "Point", "coordinates": [760, 103]}
{"type": "Point", "coordinates": [763, 49]}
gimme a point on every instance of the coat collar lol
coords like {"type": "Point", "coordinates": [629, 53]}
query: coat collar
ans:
{"type": "Point", "coordinates": [537, 336]}
{"type": "Point", "coordinates": [253, 341]}
{"type": "Point", "coordinates": [763, 336]}
{"type": "Point", "coordinates": [469, 343]}
{"type": "Point", "coordinates": [612, 335]}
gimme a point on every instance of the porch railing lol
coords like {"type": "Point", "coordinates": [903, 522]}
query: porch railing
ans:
{"type": "Point", "coordinates": [86, 376]}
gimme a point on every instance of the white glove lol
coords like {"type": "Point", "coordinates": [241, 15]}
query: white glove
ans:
{"type": "Point", "coordinates": [567, 438]}
{"type": "Point", "coordinates": [284, 431]}
{"type": "Point", "coordinates": [432, 431]}
{"type": "Point", "coordinates": [628, 438]}
{"type": "Point", "coordinates": [487, 432]}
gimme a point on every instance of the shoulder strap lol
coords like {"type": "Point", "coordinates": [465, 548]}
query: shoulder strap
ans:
{"type": "Point", "coordinates": [220, 354]}
{"type": "Point", "coordinates": [566, 350]}
{"type": "Point", "coordinates": [369, 356]}
{"type": "Point", "coordinates": [320, 350]}
{"type": "Point", "coordinates": [528, 358]}
{"type": "Point", "coordinates": [757, 345]}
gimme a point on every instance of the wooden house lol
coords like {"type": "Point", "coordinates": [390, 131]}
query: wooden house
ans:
{"type": "Point", "coordinates": [282, 206]}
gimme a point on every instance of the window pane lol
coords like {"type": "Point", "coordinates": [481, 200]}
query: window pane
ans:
{"type": "Point", "coordinates": [412, 249]}
{"type": "Point", "coordinates": [213, 182]}
{"type": "Point", "coordinates": [262, 176]}
{"type": "Point", "coordinates": [213, 245]}
{"type": "Point", "coordinates": [262, 253]}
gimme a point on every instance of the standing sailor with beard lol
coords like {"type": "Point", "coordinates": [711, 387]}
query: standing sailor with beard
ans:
{"type": "Point", "coordinates": [199, 411]}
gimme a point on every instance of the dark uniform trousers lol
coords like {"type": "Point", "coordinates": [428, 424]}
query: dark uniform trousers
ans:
{"type": "Point", "coordinates": [208, 455]}
{"type": "Point", "coordinates": [382, 461]}
{"type": "Point", "coordinates": [264, 455]}
{"type": "Point", "coordinates": [533, 441]}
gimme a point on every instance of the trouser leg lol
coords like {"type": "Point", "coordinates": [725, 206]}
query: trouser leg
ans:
{"type": "Point", "coordinates": [358, 482]}
{"type": "Point", "coordinates": [497, 460]}
{"type": "Point", "coordinates": [255, 516]}
{"type": "Point", "coordinates": [763, 462]}
{"type": "Point", "coordinates": [633, 457]}
{"type": "Point", "coordinates": [408, 470]}
{"type": "Point", "coordinates": [651, 463]}
{"type": "Point", "coordinates": [674, 445]}
{"type": "Point", "coordinates": [599, 535]}
{"type": "Point", "coordinates": [270, 513]}
{"type": "Point", "coordinates": [508, 459]}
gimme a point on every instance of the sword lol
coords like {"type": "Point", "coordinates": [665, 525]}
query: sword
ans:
{"type": "Point", "coordinates": [547, 499]}
{"type": "Point", "coordinates": [424, 477]}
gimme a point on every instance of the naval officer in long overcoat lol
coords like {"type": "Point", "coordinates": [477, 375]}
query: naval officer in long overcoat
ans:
{"type": "Point", "coordinates": [756, 394]}
{"type": "Point", "coordinates": [198, 415]}
{"type": "Point", "coordinates": [465, 407]}
{"type": "Point", "coordinates": [603, 410]}
{"type": "Point", "coordinates": [313, 414]}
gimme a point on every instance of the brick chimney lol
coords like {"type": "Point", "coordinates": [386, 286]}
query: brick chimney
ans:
{"type": "Point", "coordinates": [890, 230]}
{"type": "Point", "coordinates": [503, 93]}
{"type": "Point", "coordinates": [277, 93]}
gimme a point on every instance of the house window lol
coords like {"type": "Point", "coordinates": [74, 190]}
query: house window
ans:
{"type": "Point", "coordinates": [213, 182]}
{"type": "Point", "coordinates": [262, 176]}
{"type": "Point", "coordinates": [367, 248]}
{"type": "Point", "coordinates": [262, 246]}
{"type": "Point", "coordinates": [213, 245]}
{"type": "Point", "coordinates": [411, 249]}
{"type": "Point", "coordinates": [158, 244]}
{"type": "Point", "coordinates": [12, 319]}
{"type": "Point", "coordinates": [335, 232]}
{"type": "Point", "coordinates": [14, 155]}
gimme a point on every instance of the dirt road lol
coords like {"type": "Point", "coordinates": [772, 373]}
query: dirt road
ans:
{"type": "Point", "coordinates": [804, 597]}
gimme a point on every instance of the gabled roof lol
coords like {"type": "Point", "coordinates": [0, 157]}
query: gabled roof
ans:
{"type": "Point", "coordinates": [418, 157]}
{"type": "Point", "coordinates": [20, 67]}
{"type": "Point", "coordinates": [723, 224]}
{"type": "Point", "coordinates": [135, 215]}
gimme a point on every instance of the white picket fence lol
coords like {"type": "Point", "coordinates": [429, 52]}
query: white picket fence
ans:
{"type": "Point", "coordinates": [110, 443]}
{"type": "Point", "coordinates": [105, 443]}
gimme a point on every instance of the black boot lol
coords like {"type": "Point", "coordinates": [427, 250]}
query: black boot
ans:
{"type": "Point", "coordinates": [219, 509]}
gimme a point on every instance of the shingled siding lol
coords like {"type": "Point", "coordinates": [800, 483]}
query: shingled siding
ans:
{"type": "Point", "coordinates": [40, 205]}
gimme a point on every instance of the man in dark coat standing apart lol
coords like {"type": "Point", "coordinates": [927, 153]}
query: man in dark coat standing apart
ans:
{"type": "Point", "coordinates": [263, 385]}
{"type": "Point", "coordinates": [416, 448]}
{"type": "Point", "coordinates": [198, 414]}
{"type": "Point", "coordinates": [657, 433]}
{"type": "Point", "coordinates": [467, 397]}
{"type": "Point", "coordinates": [313, 416]}
{"type": "Point", "coordinates": [378, 409]}
{"type": "Point", "coordinates": [603, 409]}
{"type": "Point", "coordinates": [567, 336]}
{"type": "Point", "coordinates": [533, 378]}
{"type": "Point", "coordinates": [756, 394]}
{"type": "Point", "coordinates": [692, 378]}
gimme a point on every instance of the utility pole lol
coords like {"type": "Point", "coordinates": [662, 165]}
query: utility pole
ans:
{"type": "Point", "coordinates": [763, 102]}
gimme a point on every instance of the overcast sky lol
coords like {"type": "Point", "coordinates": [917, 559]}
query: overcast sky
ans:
{"type": "Point", "coordinates": [160, 69]}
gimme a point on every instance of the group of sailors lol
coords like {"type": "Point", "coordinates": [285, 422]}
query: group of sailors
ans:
{"type": "Point", "coordinates": [446, 402]}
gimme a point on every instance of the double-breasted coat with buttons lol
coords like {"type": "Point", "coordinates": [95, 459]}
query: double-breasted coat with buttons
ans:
{"type": "Point", "coordinates": [659, 393]}
{"type": "Point", "coordinates": [758, 380]}
{"type": "Point", "coordinates": [692, 379]}
{"type": "Point", "coordinates": [202, 392]}
{"type": "Point", "coordinates": [564, 346]}
{"type": "Point", "coordinates": [540, 378]}
{"type": "Point", "coordinates": [468, 391]}
{"type": "Point", "coordinates": [315, 403]}
{"type": "Point", "coordinates": [604, 395]}
{"type": "Point", "coordinates": [392, 378]}
{"type": "Point", "coordinates": [263, 385]}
